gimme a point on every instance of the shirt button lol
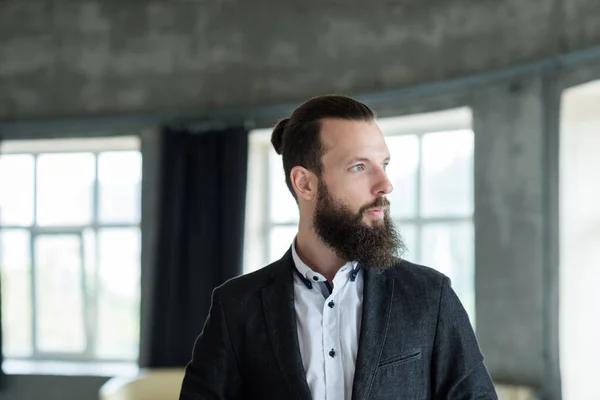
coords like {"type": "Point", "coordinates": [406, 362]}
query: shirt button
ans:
{"type": "Point", "coordinates": [315, 278]}
{"type": "Point", "coordinates": [331, 353]}
{"type": "Point", "coordinates": [331, 304]}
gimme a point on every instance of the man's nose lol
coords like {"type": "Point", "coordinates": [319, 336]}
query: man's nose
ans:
{"type": "Point", "coordinates": [383, 186]}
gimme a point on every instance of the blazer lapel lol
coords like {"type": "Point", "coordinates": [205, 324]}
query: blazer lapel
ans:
{"type": "Point", "coordinates": [377, 299]}
{"type": "Point", "coordinates": [278, 301]}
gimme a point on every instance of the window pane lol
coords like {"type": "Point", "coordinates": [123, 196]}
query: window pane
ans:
{"type": "Point", "coordinates": [15, 265]}
{"type": "Point", "coordinates": [281, 239]}
{"type": "Point", "coordinates": [119, 177]}
{"type": "Point", "coordinates": [450, 248]}
{"type": "Point", "coordinates": [447, 173]}
{"type": "Point", "coordinates": [118, 293]}
{"type": "Point", "coordinates": [59, 293]}
{"type": "Point", "coordinates": [65, 189]}
{"type": "Point", "coordinates": [16, 189]}
{"type": "Point", "coordinates": [409, 236]}
{"type": "Point", "coordinates": [283, 207]}
{"type": "Point", "coordinates": [402, 172]}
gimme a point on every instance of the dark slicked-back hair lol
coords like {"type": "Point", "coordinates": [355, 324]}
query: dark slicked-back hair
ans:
{"type": "Point", "coordinates": [298, 138]}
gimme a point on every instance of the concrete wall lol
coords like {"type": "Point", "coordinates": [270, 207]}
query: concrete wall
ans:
{"type": "Point", "coordinates": [72, 59]}
{"type": "Point", "coordinates": [516, 292]}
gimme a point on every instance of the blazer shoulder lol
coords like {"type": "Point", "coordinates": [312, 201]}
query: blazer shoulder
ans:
{"type": "Point", "coordinates": [416, 275]}
{"type": "Point", "coordinates": [244, 285]}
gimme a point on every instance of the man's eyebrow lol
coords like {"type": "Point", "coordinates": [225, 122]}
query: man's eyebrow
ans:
{"type": "Point", "coordinates": [358, 159]}
{"type": "Point", "coordinates": [364, 159]}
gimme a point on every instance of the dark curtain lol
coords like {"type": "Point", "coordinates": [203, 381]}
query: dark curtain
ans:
{"type": "Point", "coordinates": [200, 236]}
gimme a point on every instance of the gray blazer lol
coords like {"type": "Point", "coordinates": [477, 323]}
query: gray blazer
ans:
{"type": "Point", "coordinates": [416, 341]}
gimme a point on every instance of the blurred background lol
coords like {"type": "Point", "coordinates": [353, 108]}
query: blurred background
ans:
{"type": "Point", "coordinates": [136, 172]}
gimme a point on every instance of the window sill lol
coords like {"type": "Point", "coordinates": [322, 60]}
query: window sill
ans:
{"type": "Point", "coordinates": [70, 368]}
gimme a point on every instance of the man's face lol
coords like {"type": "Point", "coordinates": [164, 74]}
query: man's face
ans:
{"type": "Point", "coordinates": [351, 212]}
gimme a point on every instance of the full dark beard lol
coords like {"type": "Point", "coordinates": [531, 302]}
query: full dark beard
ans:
{"type": "Point", "coordinates": [376, 246]}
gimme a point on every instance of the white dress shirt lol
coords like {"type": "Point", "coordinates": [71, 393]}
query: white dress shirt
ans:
{"type": "Point", "coordinates": [328, 321]}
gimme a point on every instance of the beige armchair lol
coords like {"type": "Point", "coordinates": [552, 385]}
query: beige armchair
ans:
{"type": "Point", "coordinates": [154, 384]}
{"type": "Point", "coordinates": [510, 392]}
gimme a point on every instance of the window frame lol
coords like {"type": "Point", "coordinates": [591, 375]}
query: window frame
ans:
{"type": "Point", "coordinates": [95, 146]}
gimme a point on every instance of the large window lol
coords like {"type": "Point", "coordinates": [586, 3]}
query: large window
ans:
{"type": "Point", "coordinates": [70, 249]}
{"type": "Point", "coordinates": [431, 170]}
{"type": "Point", "coordinates": [580, 241]}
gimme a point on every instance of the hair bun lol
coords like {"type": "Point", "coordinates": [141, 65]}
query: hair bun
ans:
{"type": "Point", "coordinates": [277, 135]}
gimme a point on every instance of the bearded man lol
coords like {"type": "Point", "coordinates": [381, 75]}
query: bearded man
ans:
{"type": "Point", "coordinates": [340, 315]}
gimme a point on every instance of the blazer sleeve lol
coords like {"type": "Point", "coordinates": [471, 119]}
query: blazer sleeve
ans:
{"type": "Point", "coordinates": [457, 364]}
{"type": "Point", "coordinates": [213, 373]}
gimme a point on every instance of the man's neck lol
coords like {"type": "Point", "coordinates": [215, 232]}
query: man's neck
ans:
{"type": "Point", "coordinates": [314, 253]}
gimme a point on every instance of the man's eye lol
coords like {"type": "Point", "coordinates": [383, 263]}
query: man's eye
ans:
{"type": "Point", "coordinates": [358, 168]}
{"type": "Point", "coordinates": [385, 165]}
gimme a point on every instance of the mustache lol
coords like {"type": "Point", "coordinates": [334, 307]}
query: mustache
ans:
{"type": "Point", "coordinates": [380, 202]}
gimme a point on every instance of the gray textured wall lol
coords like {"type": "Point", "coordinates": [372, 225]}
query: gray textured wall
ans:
{"type": "Point", "coordinates": [516, 159]}
{"type": "Point", "coordinates": [76, 58]}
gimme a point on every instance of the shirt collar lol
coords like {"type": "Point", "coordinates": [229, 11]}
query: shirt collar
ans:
{"type": "Point", "coordinates": [351, 268]}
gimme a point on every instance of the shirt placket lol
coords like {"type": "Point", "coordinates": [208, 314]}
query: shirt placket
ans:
{"type": "Point", "coordinates": [332, 351]}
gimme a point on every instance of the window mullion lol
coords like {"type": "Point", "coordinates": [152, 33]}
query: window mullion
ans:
{"type": "Point", "coordinates": [92, 294]}
{"type": "Point", "coordinates": [84, 298]}
{"type": "Point", "coordinates": [32, 260]}
{"type": "Point", "coordinates": [419, 199]}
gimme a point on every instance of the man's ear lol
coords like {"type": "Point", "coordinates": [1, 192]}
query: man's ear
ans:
{"type": "Point", "coordinates": [303, 182]}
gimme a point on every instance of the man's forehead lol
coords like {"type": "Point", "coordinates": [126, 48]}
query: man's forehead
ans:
{"type": "Point", "coordinates": [344, 139]}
